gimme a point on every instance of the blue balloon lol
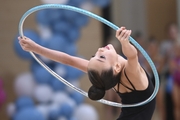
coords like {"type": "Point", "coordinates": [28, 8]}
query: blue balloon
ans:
{"type": "Point", "coordinates": [61, 26]}
{"type": "Point", "coordinates": [73, 34]}
{"type": "Point", "coordinates": [57, 85]}
{"type": "Point", "coordinates": [75, 3]}
{"type": "Point", "coordinates": [66, 110]}
{"type": "Point", "coordinates": [101, 3]}
{"type": "Point", "coordinates": [81, 20]}
{"type": "Point", "coordinates": [20, 52]}
{"type": "Point", "coordinates": [24, 102]}
{"type": "Point", "coordinates": [70, 15]}
{"type": "Point", "coordinates": [71, 49]}
{"type": "Point", "coordinates": [41, 75]}
{"type": "Point", "coordinates": [73, 118]}
{"type": "Point", "coordinates": [73, 73]}
{"type": "Point", "coordinates": [28, 114]}
{"type": "Point", "coordinates": [42, 17]}
{"type": "Point", "coordinates": [55, 15]}
{"type": "Point", "coordinates": [56, 42]}
{"type": "Point", "coordinates": [54, 114]}
{"type": "Point", "coordinates": [79, 98]}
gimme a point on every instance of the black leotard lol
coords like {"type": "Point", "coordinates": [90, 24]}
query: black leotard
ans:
{"type": "Point", "coordinates": [143, 112]}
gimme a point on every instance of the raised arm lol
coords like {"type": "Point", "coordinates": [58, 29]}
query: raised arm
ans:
{"type": "Point", "coordinates": [28, 45]}
{"type": "Point", "coordinates": [128, 49]}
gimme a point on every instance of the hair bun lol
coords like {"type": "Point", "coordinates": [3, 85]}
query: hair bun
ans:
{"type": "Point", "coordinates": [95, 93]}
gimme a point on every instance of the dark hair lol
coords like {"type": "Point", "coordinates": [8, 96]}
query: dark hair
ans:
{"type": "Point", "coordinates": [101, 82]}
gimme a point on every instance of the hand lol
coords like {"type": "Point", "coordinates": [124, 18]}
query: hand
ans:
{"type": "Point", "coordinates": [123, 34]}
{"type": "Point", "coordinates": [27, 44]}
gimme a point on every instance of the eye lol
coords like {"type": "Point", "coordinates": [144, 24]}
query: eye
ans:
{"type": "Point", "coordinates": [103, 57]}
{"type": "Point", "coordinates": [92, 56]}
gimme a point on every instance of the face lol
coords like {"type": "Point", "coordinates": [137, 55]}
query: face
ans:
{"type": "Point", "coordinates": [105, 58]}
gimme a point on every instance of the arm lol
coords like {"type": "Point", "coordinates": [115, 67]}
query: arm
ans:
{"type": "Point", "coordinates": [29, 45]}
{"type": "Point", "coordinates": [128, 50]}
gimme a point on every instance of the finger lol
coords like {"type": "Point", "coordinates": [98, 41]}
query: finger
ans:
{"type": "Point", "coordinates": [122, 34]}
{"type": "Point", "coordinates": [118, 31]}
{"type": "Point", "coordinates": [126, 35]}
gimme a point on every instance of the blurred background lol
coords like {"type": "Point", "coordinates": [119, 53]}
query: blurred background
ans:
{"type": "Point", "coordinates": [29, 92]}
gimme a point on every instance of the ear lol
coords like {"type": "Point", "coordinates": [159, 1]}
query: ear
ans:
{"type": "Point", "coordinates": [117, 68]}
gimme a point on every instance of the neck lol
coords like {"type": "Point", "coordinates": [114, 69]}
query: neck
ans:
{"type": "Point", "coordinates": [122, 61]}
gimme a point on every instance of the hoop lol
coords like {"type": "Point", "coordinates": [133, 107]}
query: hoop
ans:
{"type": "Point", "coordinates": [67, 7]}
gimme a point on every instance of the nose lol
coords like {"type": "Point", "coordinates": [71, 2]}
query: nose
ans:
{"type": "Point", "coordinates": [101, 49]}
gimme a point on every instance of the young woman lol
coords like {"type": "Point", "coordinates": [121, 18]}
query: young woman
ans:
{"type": "Point", "coordinates": [106, 70]}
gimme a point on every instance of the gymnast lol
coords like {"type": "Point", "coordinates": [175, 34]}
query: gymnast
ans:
{"type": "Point", "coordinates": [108, 70]}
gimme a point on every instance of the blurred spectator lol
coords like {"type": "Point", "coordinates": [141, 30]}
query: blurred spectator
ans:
{"type": "Point", "coordinates": [152, 49]}
{"type": "Point", "coordinates": [166, 51]}
{"type": "Point", "coordinates": [175, 72]}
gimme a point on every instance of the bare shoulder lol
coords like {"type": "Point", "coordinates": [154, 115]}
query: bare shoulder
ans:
{"type": "Point", "coordinates": [137, 76]}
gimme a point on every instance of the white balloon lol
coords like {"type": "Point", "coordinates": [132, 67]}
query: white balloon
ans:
{"type": "Point", "coordinates": [87, 5]}
{"type": "Point", "coordinates": [43, 109]}
{"type": "Point", "coordinates": [59, 97]}
{"type": "Point", "coordinates": [85, 112]}
{"type": "Point", "coordinates": [24, 84]}
{"type": "Point", "coordinates": [44, 32]}
{"type": "Point", "coordinates": [11, 109]}
{"type": "Point", "coordinates": [43, 93]}
{"type": "Point", "coordinates": [60, 70]}
{"type": "Point", "coordinates": [54, 1]}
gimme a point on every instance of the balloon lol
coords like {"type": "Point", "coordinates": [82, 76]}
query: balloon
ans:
{"type": "Point", "coordinates": [20, 52]}
{"type": "Point", "coordinates": [11, 110]}
{"type": "Point", "coordinates": [81, 20]}
{"type": "Point", "coordinates": [44, 32]}
{"type": "Point", "coordinates": [56, 42]}
{"type": "Point", "coordinates": [43, 93]}
{"type": "Point", "coordinates": [87, 5]}
{"type": "Point", "coordinates": [24, 84]}
{"type": "Point", "coordinates": [71, 49]}
{"type": "Point", "coordinates": [54, 114]}
{"type": "Point", "coordinates": [61, 26]}
{"type": "Point", "coordinates": [73, 73]}
{"type": "Point", "coordinates": [57, 85]}
{"type": "Point", "coordinates": [62, 118]}
{"type": "Point", "coordinates": [41, 75]}
{"type": "Point", "coordinates": [59, 97]}
{"type": "Point", "coordinates": [75, 3]}
{"type": "Point", "coordinates": [54, 1]}
{"type": "Point", "coordinates": [69, 15]}
{"type": "Point", "coordinates": [55, 15]}
{"type": "Point", "coordinates": [67, 110]}
{"type": "Point", "coordinates": [85, 112]}
{"type": "Point", "coordinates": [101, 3]}
{"type": "Point", "coordinates": [28, 114]}
{"type": "Point", "coordinates": [77, 97]}
{"type": "Point", "coordinates": [73, 34]}
{"type": "Point", "coordinates": [43, 109]}
{"type": "Point", "coordinates": [24, 102]}
{"type": "Point", "coordinates": [60, 69]}
{"type": "Point", "coordinates": [41, 17]}
{"type": "Point", "coordinates": [73, 82]}
{"type": "Point", "coordinates": [73, 118]}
